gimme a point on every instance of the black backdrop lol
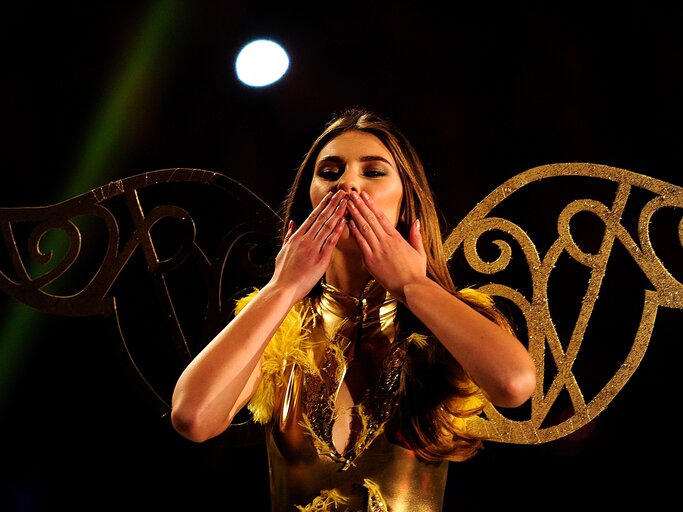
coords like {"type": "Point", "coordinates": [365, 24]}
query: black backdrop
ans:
{"type": "Point", "coordinates": [485, 92]}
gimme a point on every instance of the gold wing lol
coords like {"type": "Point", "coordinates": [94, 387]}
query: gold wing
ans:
{"type": "Point", "coordinates": [165, 253]}
{"type": "Point", "coordinates": [595, 253]}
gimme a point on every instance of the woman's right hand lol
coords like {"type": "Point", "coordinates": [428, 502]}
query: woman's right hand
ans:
{"type": "Point", "coordinates": [220, 380]}
{"type": "Point", "coordinates": [307, 250]}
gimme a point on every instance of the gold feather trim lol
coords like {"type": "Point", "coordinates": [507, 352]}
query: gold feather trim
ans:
{"type": "Point", "coordinates": [326, 502]}
{"type": "Point", "coordinates": [368, 431]}
{"type": "Point", "coordinates": [478, 297]}
{"type": "Point", "coordinates": [376, 502]}
{"type": "Point", "coordinates": [338, 352]}
{"type": "Point", "coordinates": [322, 447]}
{"type": "Point", "coordinates": [420, 340]}
{"type": "Point", "coordinates": [329, 500]}
{"type": "Point", "coordinates": [285, 347]}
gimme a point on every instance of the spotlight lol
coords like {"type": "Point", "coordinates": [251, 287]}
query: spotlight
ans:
{"type": "Point", "coordinates": [261, 62]}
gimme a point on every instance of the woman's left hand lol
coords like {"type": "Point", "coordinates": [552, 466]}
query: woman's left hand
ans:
{"type": "Point", "coordinates": [390, 258]}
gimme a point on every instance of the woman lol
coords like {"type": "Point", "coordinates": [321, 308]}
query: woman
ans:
{"type": "Point", "coordinates": [359, 355]}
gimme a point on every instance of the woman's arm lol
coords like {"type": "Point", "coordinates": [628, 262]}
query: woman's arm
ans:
{"type": "Point", "coordinates": [496, 360]}
{"type": "Point", "coordinates": [219, 381]}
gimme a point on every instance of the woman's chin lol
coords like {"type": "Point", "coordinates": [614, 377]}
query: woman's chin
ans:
{"type": "Point", "coordinates": [347, 242]}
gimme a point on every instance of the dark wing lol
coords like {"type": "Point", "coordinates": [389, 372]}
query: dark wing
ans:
{"type": "Point", "coordinates": [163, 254]}
{"type": "Point", "coordinates": [581, 256]}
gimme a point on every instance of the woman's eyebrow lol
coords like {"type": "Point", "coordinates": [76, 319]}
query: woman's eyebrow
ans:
{"type": "Point", "coordinates": [373, 158]}
{"type": "Point", "coordinates": [332, 158]}
{"type": "Point", "coordinates": [339, 160]}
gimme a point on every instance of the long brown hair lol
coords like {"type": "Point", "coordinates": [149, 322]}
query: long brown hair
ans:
{"type": "Point", "coordinates": [434, 387]}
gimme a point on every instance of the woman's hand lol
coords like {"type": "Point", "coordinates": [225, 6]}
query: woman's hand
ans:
{"type": "Point", "coordinates": [390, 258]}
{"type": "Point", "coordinates": [306, 251]}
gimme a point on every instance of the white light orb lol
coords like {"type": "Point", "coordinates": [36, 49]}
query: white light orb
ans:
{"type": "Point", "coordinates": [261, 62]}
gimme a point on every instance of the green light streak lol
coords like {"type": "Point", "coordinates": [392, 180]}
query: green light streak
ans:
{"type": "Point", "coordinates": [22, 323]}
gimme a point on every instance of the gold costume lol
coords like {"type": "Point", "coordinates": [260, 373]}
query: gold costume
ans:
{"type": "Point", "coordinates": [304, 366]}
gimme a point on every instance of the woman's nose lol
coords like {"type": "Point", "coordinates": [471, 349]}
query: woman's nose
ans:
{"type": "Point", "coordinates": [347, 183]}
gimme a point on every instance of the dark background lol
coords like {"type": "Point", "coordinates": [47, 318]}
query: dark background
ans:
{"type": "Point", "coordinates": [96, 91]}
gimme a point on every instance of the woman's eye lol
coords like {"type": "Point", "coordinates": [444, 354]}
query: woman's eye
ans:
{"type": "Point", "coordinates": [328, 174]}
{"type": "Point", "coordinates": [374, 173]}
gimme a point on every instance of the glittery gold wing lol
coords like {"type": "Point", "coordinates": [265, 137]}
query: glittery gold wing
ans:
{"type": "Point", "coordinates": [581, 256]}
{"type": "Point", "coordinates": [164, 254]}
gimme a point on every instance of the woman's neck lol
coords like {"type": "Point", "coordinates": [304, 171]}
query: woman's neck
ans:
{"type": "Point", "coordinates": [348, 275]}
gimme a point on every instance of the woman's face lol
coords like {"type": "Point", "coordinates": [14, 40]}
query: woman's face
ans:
{"type": "Point", "coordinates": [358, 160]}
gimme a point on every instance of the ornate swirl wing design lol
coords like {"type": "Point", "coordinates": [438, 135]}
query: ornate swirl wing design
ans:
{"type": "Point", "coordinates": [583, 256]}
{"type": "Point", "coordinates": [162, 253]}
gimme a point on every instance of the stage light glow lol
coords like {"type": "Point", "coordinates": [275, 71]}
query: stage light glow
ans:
{"type": "Point", "coordinates": [96, 155]}
{"type": "Point", "coordinates": [261, 62]}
